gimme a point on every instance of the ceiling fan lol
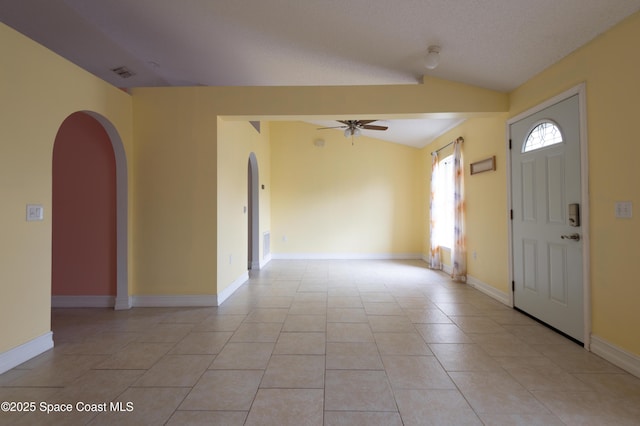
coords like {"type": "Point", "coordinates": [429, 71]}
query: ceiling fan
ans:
{"type": "Point", "coordinates": [354, 127]}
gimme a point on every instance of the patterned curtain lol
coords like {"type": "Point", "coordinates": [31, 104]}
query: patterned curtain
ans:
{"type": "Point", "coordinates": [434, 249]}
{"type": "Point", "coordinates": [459, 253]}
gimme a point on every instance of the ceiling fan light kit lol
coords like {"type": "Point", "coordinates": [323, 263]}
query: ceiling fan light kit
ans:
{"type": "Point", "coordinates": [352, 132]}
{"type": "Point", "coordinates": [353, 128]}
{"type": "Point", "coordinates": [432, 59]}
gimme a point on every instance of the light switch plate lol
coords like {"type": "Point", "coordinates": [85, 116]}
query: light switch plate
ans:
{"type": "Point", "coordinates": [624, 209]}
{"type": "Point", "coordinates": [35, 212]}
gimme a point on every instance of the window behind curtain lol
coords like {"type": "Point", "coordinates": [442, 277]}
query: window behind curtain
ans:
{"type": "Point", "coordinates": [444, 203]}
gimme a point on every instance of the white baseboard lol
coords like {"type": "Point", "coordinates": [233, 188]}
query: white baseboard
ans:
{"type": "Point", "coordinates": [616, 355]}
{"type": "Point", "coordinates": [184, 301]}
{"type": "Point", "coordinates": [445, 268]}
{"type": "Point", "coordinates": [18, 355]}
{"type": "Point", "coordinates": [231, 288]}
{"type": "Point", "coordinates": [83, 301]}
{"type": "Point", "coordinates": [490, 291]}
{"type": "Point", "coordinates": [346, 256]}
{"type": "Point", "coordinates": [176, 301]}
{"type": "Point", "coordinates": [485, 288]}
{"type": "Point", "coordinates": [265, 261]}
{"type": "Point", "coordinates": [123, 303]}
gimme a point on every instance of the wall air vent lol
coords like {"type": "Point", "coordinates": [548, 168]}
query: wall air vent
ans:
{"type": "Point", "coordinates": [123, 72]}
{"type": "Point", "coordinates": [266, 244]}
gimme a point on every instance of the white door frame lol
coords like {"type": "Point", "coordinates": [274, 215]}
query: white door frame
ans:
{"type": "Point", "coordinates": [253, 178]}
{"type": "Point", "coordinates": [123, 300]}
{"type": "Point", "coordinates": [579, 90]}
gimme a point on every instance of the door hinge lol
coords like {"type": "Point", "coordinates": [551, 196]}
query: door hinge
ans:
{"type": "Point", "coordinates": [509, 143]}
{"type": "Point", "coordinates": [511, 214]}
{"type": "Point", "coordinates": [513, 286]}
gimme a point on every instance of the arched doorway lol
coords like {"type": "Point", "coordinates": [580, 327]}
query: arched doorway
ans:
{"type": "Point", "coordinates": [90, 213]}
{"type": "Point", "coordinates": [253, 213]}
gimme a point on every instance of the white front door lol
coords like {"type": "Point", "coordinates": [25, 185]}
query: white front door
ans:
{"type": "Point", "coordinates": [546, 227]}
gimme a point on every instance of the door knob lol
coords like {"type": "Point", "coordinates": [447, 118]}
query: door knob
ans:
{"type": "Point", "coordinates": [575, 237]}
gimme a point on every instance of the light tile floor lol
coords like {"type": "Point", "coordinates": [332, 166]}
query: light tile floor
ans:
{"type": "Point", "coordinates": [323, 342]}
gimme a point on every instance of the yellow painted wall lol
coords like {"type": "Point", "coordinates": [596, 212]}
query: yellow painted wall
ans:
{"type": "Point", "coordinates": [176, 184]}
{"type": "Point", "coordinates": [174, 168]}
{"type": "Point", "coordinates": [191, 176]}
{"type": "Point", "coordinates": [485, 198]}
{"type": "Point", "coordinates": [610, 66]}
{"type": "Point", "coordinates": [353, 200]}
{"type": "Point", "coordinates": [177, 144]}
{"type": "Point", "coordinates": [435, 96]}
{"type": "Point", "coordinates": [236, 141]}
{"type": "Point", "coordinates": [38, 90]}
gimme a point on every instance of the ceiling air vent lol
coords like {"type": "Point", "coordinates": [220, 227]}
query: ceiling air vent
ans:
{"type": "Point", "coordinates": [123, 72]}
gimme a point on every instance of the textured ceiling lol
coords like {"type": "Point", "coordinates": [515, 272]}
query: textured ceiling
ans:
{"type": "Point", "coordinates": [496, 44]}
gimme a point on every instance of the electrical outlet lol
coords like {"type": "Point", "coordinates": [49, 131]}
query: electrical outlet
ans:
{"type": "Point", "coordinates": [624, 209]}
{"type": "Point", "coordinates": [230, 259]}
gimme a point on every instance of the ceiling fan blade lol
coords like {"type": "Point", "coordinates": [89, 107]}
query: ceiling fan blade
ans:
{"type": "Point", "coordinates": [364, 122]}
{"type": "Point", "coordinates": [334, 127]}
{"type": "Point", "coordinates": [371, 127]}
{"type": "Point", "coordinates": [346, 122]}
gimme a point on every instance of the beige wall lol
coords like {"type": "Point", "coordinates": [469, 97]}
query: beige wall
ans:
{"type": "Point", "coordinates": [485, 198]}
{"type": "Point", "coordinates": [187, 168]}
{"type": "Point", "coordinates": [175, 226]}
{"type": "Point", "coordinates": [191, 174]}
{"type": "Point", "coordinates": [610, 66]}
{"type": "Point", "coordinates": [343, 199]}
{"type": "Point", "coordinates": [236, 141]}
{"type": "Point", "coordinates": [174, 169]}
{"type": "Point", "coordinates": [39, 90]}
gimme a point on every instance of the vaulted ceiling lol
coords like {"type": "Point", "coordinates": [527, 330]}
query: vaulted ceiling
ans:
{"type": "Point", "coordinates": [496, 44]}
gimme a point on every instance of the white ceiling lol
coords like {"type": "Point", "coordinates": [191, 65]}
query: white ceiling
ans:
{"type": "Point", "coordinates": [496, 44]}
{"type": "Point", "coordinates": [416, 133]}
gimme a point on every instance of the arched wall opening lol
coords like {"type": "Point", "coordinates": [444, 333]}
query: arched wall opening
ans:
{"type": "Point", "coordinates": [89, 230]}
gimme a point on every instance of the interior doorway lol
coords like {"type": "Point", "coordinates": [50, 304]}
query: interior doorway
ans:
{"type": "Point", "coordinates": [253, 216]}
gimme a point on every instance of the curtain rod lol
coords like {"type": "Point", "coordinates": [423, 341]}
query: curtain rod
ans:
{"type": "Point", "coordinates": [460, 139]}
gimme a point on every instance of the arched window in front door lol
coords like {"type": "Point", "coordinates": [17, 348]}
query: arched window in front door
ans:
{"type": "Point", "coordinates": [543, 134]}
